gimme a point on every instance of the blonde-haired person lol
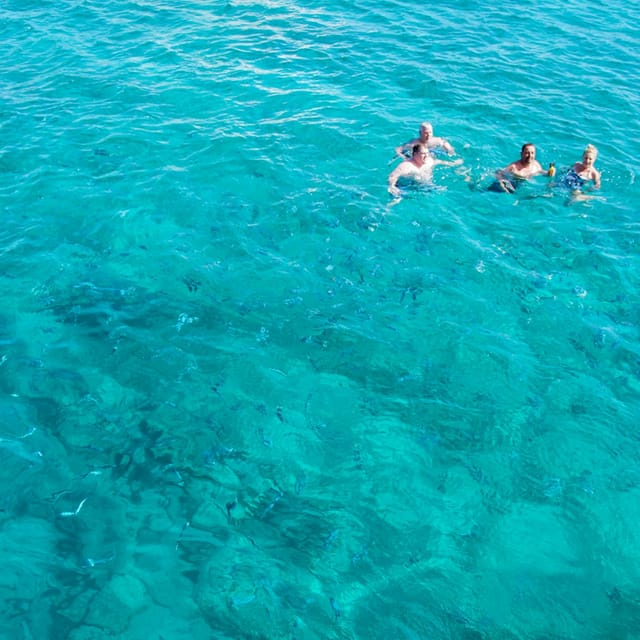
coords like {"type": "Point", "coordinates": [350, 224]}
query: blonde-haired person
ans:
{"type": "Point", "coordinates": [583, 174]}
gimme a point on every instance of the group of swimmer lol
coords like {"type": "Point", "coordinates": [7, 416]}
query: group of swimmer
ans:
{"type": "Point", "coordinates": [419, 166]}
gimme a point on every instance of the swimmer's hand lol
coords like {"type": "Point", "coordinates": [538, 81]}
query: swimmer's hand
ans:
{"type": "Point", "coordinates": [394, 191]}
{"type": "Point", "coordinates": [450, 163]}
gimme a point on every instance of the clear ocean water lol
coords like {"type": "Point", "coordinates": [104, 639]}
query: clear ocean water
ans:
{"type": "Point", "coordinates": [245, 394]}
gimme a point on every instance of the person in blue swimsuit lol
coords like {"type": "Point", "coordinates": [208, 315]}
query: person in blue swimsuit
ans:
{"type": "Point", "coordinates": [582, 174]}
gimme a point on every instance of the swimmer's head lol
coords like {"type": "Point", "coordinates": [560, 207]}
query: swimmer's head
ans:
{"type": "Point", "coordinates": [420, 153]}
{"type": "Point", "coordinates": [590, 152]}
{"type": "Point", "coordinates": [528, 152]}
{"type": "Point", "coordinates": [426, 130]}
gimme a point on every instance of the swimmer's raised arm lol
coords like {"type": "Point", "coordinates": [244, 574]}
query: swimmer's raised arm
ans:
{"type": "Point", "coordinates": [402, 149]}
{"type": "Point", "coordinates": [444, 144]}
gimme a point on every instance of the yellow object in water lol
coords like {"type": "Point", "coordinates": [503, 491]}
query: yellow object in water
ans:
{"type": "Point", "coordinates": [552, 170]}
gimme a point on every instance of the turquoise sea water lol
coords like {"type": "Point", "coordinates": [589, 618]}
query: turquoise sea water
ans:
{"type": "Point", "coordinates": [244, 395]}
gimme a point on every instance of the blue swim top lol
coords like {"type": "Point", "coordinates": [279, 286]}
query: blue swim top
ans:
{"type": "Point", "coordinates": [572, 180]}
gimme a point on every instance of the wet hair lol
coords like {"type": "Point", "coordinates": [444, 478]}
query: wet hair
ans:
{"type": "Point", "coordinates": [417, 147]}
{"type": "Point", "coordinates": [525, 145]}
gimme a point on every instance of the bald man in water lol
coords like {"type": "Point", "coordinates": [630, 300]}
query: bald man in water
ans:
{"type": "Point", "coordinates": [433, 143]}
